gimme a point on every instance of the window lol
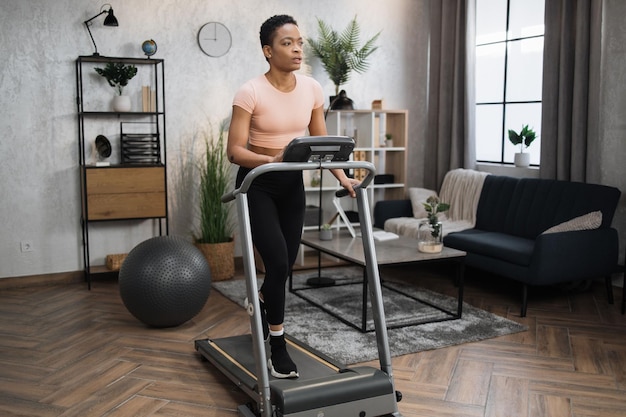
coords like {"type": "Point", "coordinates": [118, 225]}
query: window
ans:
{"type": "Point", "coordinates": [509, 63]}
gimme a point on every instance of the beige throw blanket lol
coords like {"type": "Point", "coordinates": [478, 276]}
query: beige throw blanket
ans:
{"type": "Point", "coordinates": [461, 189]}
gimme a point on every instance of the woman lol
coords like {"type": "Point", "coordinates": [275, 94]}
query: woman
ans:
{"type": "Point", "coordinates": [268, 112]}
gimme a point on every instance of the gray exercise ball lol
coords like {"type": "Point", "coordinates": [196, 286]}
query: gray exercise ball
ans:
{"type": "Point", "coordinates": [165, 281]}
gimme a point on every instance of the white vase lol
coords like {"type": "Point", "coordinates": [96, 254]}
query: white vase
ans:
{"type": "Point", "coordinates": [522, 159]}
{"type": "Point", "coordinates": [121, 103]}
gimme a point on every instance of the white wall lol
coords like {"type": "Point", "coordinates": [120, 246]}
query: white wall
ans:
{"type": "Point", "coordinates": [40, 41]}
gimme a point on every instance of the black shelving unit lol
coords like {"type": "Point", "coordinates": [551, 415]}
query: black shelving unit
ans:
{"type": "Point", "coordinates": [135, 188]}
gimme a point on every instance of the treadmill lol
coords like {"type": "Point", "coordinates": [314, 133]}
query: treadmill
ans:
{"type": "Point", "coordinates": [325, 388]}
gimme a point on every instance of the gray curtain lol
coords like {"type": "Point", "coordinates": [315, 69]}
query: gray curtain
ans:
{"type": "Point", "coordinates": [450, 140]}
{"type": "Point", "coordinates": [571, 86]}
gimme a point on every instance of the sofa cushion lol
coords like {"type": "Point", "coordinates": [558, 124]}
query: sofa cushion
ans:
{"type": "Point", "coordinates": [388, 209]}
{"type": "Point", "coordinates": [408, 226]}
{"type": "Point", "coordinates": [461, 189]}
{"type": "Point", "coordinates": [418, 197]}
{"type": "Point", "coordinates": [513, 249]}
{"type": "Point", "coordinates": [494, 202]}
{"type": "Point", "coordinates": [587, 221]}
{"type": "Point", "coordinates": [528, 206]}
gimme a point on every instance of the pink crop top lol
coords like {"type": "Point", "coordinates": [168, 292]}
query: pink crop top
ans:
{"type": "Point", "coordinates": [278, 117]}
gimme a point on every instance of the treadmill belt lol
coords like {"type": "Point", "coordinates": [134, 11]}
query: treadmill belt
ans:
{"type": "Point", "coordinates": [310, 364]}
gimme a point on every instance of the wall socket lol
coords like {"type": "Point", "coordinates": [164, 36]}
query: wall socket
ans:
{"type": "Point", "coordinates": [26, 246]}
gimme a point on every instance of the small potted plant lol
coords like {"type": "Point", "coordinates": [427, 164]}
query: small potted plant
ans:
{"type": "Point", "coordinates": [326, 233]}
{"type": "Point", "coordinates": [430, 231]}
{"type": "Point", "coordinates": [388, 140]}
{"type": "Point", "coordinates": [117, 75]}
{"type": "Point", "coordinates": [340, 53]}
{"type": "Point", "coordinates": [524, 138]}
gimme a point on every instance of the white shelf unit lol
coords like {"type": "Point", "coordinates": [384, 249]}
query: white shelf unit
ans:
{"type": "Point", "coordinates": [368, 128]}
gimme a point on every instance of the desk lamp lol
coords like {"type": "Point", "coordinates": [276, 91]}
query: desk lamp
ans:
{"type": "Point", "coordinates": [110, 20]}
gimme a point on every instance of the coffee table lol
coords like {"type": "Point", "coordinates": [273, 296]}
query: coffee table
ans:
{"type": "Point", "coordinates": [398, 251]}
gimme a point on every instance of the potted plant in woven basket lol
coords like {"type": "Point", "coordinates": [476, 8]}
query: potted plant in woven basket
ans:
{"type": "Point", "coordinates": [214, 236]}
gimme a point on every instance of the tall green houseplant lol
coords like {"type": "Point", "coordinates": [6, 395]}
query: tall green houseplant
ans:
{"type": "Point", "coordinates": [340, 53]}
{"type": "Point", "coordinates": [214, 169]}
{"type": "Point", "coordinates": [215, 232]}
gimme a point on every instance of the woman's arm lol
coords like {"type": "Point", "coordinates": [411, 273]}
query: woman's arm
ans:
{"type": "Point", "coordinates": [317, 127]}
{"type": "Point", "coordinates": [237, 147]}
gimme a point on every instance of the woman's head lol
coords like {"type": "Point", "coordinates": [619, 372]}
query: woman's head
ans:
{"type": "Point", "coordinates": [269, 27]}
{"type": "Point", "coordinates": [282, 43]}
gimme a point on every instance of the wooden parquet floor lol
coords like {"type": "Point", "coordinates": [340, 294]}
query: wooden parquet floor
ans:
{"type": "Point", "coordinates": [66, 351]}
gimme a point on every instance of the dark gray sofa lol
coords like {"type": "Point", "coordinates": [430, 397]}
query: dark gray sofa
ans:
{"type": "Point", "coordinates": [508, 237]}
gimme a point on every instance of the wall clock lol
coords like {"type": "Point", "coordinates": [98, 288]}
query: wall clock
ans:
{"type": "Point", "coordinates": [214, 39]}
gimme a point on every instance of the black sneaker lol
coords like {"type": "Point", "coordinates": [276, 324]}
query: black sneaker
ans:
{"type": "Point", "coordinates": [280, 363]}
{"type": "Point", "coordinates": [264, 325]}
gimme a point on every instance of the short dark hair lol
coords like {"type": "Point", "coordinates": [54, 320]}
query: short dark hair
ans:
{"type": "Point", "coordinates": [268, 28]}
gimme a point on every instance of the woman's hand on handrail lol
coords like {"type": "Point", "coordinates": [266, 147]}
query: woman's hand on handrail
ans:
{"type": "Point", "coordinates": [347, 183]}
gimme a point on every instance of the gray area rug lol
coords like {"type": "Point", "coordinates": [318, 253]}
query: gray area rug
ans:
{"type": "Point", "coordinates": [347, 345]}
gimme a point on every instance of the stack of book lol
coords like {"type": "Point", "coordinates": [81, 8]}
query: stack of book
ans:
{"type": "Point", "coordinates": [148, 99]}
{"type": "Point", "coordinates": [359, 173]}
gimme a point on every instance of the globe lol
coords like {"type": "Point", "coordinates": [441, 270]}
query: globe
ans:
{"type": "Point", "coordinates": [149, 47]}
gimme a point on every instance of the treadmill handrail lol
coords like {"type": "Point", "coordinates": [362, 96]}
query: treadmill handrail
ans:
{"type": "Point", "coordinates": [300, 166]}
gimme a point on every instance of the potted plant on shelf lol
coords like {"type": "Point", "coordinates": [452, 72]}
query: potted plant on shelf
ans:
{"type": "Point", "coordinates": [117, 75]}
{"type": "Point", "coordinates": [430, 231]}
{"type": "Point", "coordinates": [388, 140]}
{"type": "Point", "coordinates": [341, 54]}
{"type": "Point", "coordinates": [215, 232]}
{"type": "Point", "coordinates": [525, 137]}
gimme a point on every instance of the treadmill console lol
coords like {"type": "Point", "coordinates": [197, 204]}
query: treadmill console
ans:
{"type": "Point", "coordinates": [319, 149]}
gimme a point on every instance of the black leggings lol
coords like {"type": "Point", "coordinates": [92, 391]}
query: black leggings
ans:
{"type": "Point", "coordinates": [276, 201]}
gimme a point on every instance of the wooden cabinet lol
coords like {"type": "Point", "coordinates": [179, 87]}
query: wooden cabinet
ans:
{"type": "Point", "coordinates": [130, 186]}
{"type": "Point", "coordinates": [125, 193]}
